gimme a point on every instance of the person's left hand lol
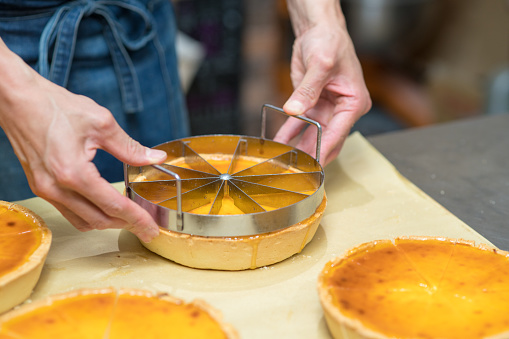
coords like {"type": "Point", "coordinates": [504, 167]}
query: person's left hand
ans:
{"type": "Point", "coordinates": [329, 88]}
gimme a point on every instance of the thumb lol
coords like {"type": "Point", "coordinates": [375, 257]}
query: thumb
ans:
{"type": "Point", "coordinates": [306, 95]}
{"type": "Point", "coordinates": [130, 151]}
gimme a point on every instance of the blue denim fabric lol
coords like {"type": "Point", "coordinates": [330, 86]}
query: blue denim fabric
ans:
{"type": "Point", "coordinates": [120, 53]}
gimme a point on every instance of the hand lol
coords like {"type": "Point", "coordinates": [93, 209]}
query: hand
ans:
{"type": "Point", "coordinates": [328, 81]}
{"type": "Point", "coordinates": [55, 135]}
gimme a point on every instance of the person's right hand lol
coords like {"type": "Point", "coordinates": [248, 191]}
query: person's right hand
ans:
{"type": "Point", "coordinates": [327, 76]}
{"type": "Point", "coordinates": [55, 135]}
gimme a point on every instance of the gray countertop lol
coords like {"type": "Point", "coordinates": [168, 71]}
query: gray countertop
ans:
{"type": "Point", "coordinates": [463, 165]}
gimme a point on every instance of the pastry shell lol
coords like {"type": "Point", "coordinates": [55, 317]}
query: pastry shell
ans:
{"type": "Point", "coordinates": [237, 253]}
{"type": "Point", "coordinates": [17, 285]}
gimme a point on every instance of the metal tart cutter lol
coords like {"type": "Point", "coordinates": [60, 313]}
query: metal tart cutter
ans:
{"type": "Point", "coordinates": [282, 187]}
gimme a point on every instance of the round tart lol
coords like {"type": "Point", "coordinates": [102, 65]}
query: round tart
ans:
{"type": "Point", "coordinates": [417, 287]}
{"type": "Point", "coordinates": [24, 244]}
{"type": "Point", "coordinates": [239, 252]}
{"type": "Point", "coordinates": [109, 313]}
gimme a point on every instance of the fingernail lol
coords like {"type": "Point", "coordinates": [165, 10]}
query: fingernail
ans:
{"type": "Point", "coordinates": [149, 234]}
{"type": "Point", "coordinates": [154, 232]}
{"type": "Point", "coordinates": [155, 155]}
{"type": "Point", "coordinates": [294, 107]}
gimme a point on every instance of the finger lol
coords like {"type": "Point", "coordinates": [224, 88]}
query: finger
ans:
{"type": "Point", "coordinates": [333, 154]}
{"type": "Point", "coordinates": [81, 213]}
{"type": "Point", "coordinates": [289, 130]}
{"type": "Point", "coordinates": [104, 207]}
{"type": "Point", "coordinates": [112, 223]}
{"type": "Point", "coordinates": [118, 143]}
{"type": "Point", "coordinates": [96, 219]}
{"type": "Point", "coordinates": [308, 91]}
{"type": "Point", "coordinates": [78, 222]}
{"type": "Point", "coordinates": [115, 205]}
{"type": "Point", "coordinates": [333, 137]}
{"type": "Point", "coordinates": [307, 142]}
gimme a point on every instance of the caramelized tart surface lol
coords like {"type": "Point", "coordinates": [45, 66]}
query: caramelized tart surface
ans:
{"type": "Point", "coordinates": [109, 314]}
{"type": "Point", "coordinates": [419, 287]}
{"type": "Point", "coordinates": [20, 236]}
{"type": "Point", "coordinates": [25, 241]}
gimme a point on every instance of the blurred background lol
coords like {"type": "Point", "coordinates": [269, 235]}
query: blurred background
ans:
{"type": "Point", "coordinates": [424, 61]}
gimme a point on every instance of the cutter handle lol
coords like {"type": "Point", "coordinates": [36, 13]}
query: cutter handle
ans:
{"type": "Point", "coordinates": [309, 121]}
{"type": "Point", "coordinates": [180, 219]}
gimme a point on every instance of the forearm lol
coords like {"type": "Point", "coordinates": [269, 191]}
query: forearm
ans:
{"type": "Point", "coordinates": [306, 14]}
{"type": "Point", "coordinates": [15, 75]}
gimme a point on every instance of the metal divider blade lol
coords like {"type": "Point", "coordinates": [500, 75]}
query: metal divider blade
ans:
{"type": "Point", "coordinates": [195, 198]}
{"type": "Point", "coordinates": [277, 165]}
{"type": "Point", "coordinates": [256, 148]}
{"type": "Point", "coordinates": [186, 173]}
{"type": "Point", "coordinates": [296, 182]}
{"type": "Point", "coordinates": [269, 196]}
{"type": "Point", "coordinates": [157, 191]}
{"type": "Point", "coordinates": [218, 201]}
{"type": "Point", "coordinates": [196, 162]}
{"type": "Point", "coordinates": [243, 201]}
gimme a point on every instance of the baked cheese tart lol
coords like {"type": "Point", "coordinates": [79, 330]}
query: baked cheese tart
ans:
{"type": "Point", "coordinates": [109, 313]}
{"type": "Point", "coordinates": [24, 244]}
{"type": "Point", "coordinates": [236, 253]}
{"type": "Point", "coordinates": [239, 252]}
{"type": "Point", "coordinates": [417, 287]}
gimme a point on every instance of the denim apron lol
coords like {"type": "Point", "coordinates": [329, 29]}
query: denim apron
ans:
{"type": "Point", "coordinates": [120, 53]}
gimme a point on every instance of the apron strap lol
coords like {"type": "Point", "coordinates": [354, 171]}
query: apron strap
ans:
{"type": "Point", "coordinates": [61, 32]}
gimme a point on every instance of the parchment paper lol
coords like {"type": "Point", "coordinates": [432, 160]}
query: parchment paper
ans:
{"type": "Point", "coordinates": [367, 200]}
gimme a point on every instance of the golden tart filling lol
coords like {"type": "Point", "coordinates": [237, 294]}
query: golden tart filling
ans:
{"type": "Point", "coordinates": [108, 314]}
{"type": "Point", "coordinates": [19, 238]}
{"type": "Point", "coordinates": [221, 163]}
{"type": "Point", "coordinates": [24, 243]}
{"type": "Point", "coordinates": [417, 287]}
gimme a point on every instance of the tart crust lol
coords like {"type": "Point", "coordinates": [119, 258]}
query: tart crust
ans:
{"type": "Point", "coordinates": [18, 281]}
{"type": "Point", "coordinates": [237, 253]}
{"type": "Point", "coordinates": [369, 291]}
{"type": "Point", "coordinates": [115, 313]}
